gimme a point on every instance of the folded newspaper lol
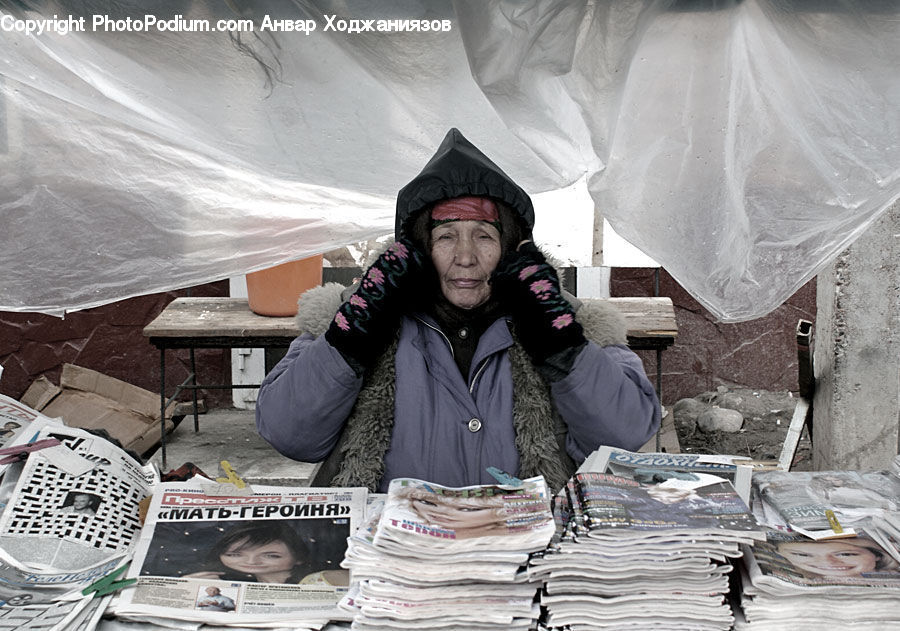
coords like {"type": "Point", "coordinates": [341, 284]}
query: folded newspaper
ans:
{"type": "Point", "coordinates": [67, 496]}
{"type": "Point", "coordinates": [264, 559]}
{"type": "Point", "coordinates": [14, 418]}
{"type": "Point", "coordinates": [827, 504]}
{"type": "Point", "coordinates": [70, 518]}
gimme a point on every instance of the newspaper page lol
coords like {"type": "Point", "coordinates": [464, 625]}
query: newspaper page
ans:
{"type": "Point", "coordinates": [22, 438]}
{"type": "Point", "coordinates": [803, 497]}
{"type": "Point", "coordinates": [67, 497]}
{"type": "Point", "coordinates": [22, 586]}
{"type": "Point", "coordinates": [48, 617]}
{"type": "Point", "coordinates": [434, 518]}
{"type": "Point", "coordinates": [681, 470]}
{"type": "Point", "coordinates": [614, 502]}
{"type": "Point", "coordinates": [14, 418]}
{"type": "Point", "coordinates": [793, 559]}
{"type": "Point", "coordinates": [272, 555]}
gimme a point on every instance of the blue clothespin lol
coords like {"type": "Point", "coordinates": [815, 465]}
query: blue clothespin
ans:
{"type": "Point", "coordinates": [18, 453]}
{"type": "Point", "coordinates": [503, 477]}
{"type": "Point", "coordinates": [108, 584]}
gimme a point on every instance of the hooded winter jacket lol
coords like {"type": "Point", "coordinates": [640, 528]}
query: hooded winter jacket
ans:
{"type": "Point", "coordinates": [415, 415]}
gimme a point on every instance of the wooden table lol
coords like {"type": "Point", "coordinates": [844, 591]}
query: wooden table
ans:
{"type": "Point", "coordinates": [229, 323]}
{"type": "Point", "coordinates": [210, 323]}
{"type": "Point", "coordinates": [650, 322]}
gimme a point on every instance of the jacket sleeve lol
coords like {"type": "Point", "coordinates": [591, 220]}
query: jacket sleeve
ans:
{"type": "Point", "coordinates": [606, 400]}
{"type": "Point", "coordinates": [305, 399]}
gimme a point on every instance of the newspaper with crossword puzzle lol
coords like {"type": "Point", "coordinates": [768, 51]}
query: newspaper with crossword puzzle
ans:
{"type": "Point", "coordinates": [65, 498]}
{"type": "Point", "coordinates": [62, 489]}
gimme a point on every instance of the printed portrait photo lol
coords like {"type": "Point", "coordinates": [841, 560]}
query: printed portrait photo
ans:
{"type": "Point", "coordinates": [289, 551]}
{"type": "Point", "coordinates": [81, 503]}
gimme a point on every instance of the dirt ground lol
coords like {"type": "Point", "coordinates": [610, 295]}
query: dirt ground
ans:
{"type": "Point", "coordinates": [767, 416]}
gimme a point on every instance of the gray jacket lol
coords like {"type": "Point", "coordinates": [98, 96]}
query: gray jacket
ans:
{"type": "Point", "coordinates": [414, 415]}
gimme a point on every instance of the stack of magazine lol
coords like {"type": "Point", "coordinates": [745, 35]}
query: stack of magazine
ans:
{"type": "Point", "coordinates": [831, 556]}
{"type": "Point", "coordinates": [794, 582]}
{"type": "Point", "coordinates": [646, 547]}
{"type": "Point", "coordinates": [449, 558]}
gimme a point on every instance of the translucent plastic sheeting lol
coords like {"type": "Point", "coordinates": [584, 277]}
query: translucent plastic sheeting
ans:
{"type": "Point", "coordinates": [741, 145]}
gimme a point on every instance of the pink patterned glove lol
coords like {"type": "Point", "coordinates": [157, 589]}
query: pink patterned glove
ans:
{"type": "Point", "coordinates": [544, 320]}
{"type": "Point", "coordinates": [365, 323]}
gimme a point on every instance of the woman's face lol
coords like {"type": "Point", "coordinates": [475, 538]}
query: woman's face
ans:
{"type": "Point", "coordinates": [270, 558]}
{"type": "Point", "coordinates": [465, 254]}
{"type": "Point", "coordinates": [455, 517]}
{"type": "Point", "coordinates": [829, 559]}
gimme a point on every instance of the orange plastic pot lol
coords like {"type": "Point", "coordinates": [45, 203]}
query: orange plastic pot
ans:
{"type": "Point", "coordinates": [274, 291]}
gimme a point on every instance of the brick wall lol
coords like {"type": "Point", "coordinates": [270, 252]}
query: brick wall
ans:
{"type": "Point", "coordinates": [760, 353]}
{"type": "Point", "coordinates": [108, 339]}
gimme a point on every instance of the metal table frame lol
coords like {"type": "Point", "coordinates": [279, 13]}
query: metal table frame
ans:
{"type": "Point", "coordinates": [192, 323]}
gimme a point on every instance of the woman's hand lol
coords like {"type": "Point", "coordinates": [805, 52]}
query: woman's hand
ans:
{"type": "Point", "coordinates": [364, 325]}
{"type": "Point", "coordinates": [529, 286]}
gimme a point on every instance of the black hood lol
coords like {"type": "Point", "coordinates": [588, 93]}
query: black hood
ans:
{"type": "Point", "coordinates": [458, 168]}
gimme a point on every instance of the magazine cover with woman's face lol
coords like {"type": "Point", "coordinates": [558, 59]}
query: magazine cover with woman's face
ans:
{"type": "Point", "coordinates": [855, 560]}
{"type": "Point", "coordinates": [439, 516]}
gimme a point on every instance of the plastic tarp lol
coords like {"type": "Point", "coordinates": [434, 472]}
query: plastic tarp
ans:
{"type": "Point", "coordinates": [740, 144]}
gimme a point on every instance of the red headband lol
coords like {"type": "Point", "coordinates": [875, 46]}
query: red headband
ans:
{"type": "Point", "coordinates": [469, 208]}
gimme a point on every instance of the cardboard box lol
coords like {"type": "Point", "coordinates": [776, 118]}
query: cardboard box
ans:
{"type": "Point", "coordinates": [91, 400]}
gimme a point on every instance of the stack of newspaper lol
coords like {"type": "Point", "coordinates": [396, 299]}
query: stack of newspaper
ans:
{"type": "Point", "coordinates": [831, 555]}
{"type": "Point", "coordinates": [631, 554]}
{"type": "Point", "coordinates": [450, 558]}
{"type": "Point", "coordinates": [70, 516]}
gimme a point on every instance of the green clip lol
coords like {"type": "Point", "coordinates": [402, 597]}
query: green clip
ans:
{"type": "Point", "coordinates": [503, 477]}
{"type": "Point", "coordinates": [833, 522]}
{"type": "Point", "coordinates": [108, 584]}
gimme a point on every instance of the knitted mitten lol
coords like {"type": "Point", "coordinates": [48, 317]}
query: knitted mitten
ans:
{"type": "Point", "coordinates": [364, 324]}
{"type": "Point", "coordinates": [544, 319]}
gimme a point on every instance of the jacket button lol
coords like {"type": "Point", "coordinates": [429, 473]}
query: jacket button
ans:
{"type": "Point", "coordinates": [463, 333]}
{"type": "Point", "coordinates": [474, 425]}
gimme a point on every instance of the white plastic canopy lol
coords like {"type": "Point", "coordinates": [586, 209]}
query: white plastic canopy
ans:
{"type": "Point", "coordinates": [740, 144]}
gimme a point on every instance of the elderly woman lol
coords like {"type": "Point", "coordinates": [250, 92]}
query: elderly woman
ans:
{"type": "Point", "coordinates": [457, 351]}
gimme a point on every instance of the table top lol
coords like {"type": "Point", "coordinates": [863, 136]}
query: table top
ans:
{"type": "Point", "coordinates": [230, 322]}
{"type": "Point", "coordinates": [650, 321]}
